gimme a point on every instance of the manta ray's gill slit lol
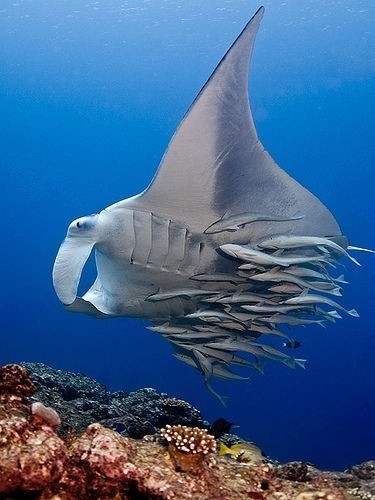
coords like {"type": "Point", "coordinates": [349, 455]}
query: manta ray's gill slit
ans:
{"type": "Point", "coordinates": [143, 237]}
{"type": "Point", "coordinates": [189, 260]}
{"type": "Point", "coordinates": [128, 229]}
{"type": "Point", "coordinates": [201, 249]}
{"type": "Point", "coordinates": [129, 225]}
{"type": "Point", "coordinates": [176, 246]}
{"type": "Point", "coordinates": [159, 241]}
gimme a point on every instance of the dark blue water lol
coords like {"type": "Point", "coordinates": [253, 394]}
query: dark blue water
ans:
{"type": "Point", "coordinates": [90, 94]}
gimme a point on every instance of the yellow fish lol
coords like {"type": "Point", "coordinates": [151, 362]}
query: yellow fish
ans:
{"type": "Point", "coordinates": [242, 452]}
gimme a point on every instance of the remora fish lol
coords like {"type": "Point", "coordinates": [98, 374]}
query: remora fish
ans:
{"type": "Point", "coordinates": [319, 299]}
{"type": "Point", "coordinates": [186, 293]}
{"type": "Point", "coordinates": [284, 276]}
{"type": "Point", "coordinates": [237, 221]}
{"type": "Point", "coordinates": [251, 254]}
{"type": "Point", "coordinates": [278, 242]}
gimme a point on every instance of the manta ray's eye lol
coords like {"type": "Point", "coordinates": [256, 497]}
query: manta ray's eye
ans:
{"type": "Point", "coordinates": [81, 224]}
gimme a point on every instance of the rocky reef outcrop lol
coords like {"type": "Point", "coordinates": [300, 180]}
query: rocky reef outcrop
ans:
{"type": "Point", "coordinates": [81, 401]}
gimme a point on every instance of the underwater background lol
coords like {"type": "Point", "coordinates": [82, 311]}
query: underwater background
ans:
{"type": "Point", "coordinates": [90, 94]}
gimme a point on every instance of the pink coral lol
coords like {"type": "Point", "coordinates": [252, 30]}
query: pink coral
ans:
{"type": "Point", "coordinates": [15, 380]}
{"type": "Point", "coordinates": [31, 454]}
{"type": "Point", "coordinates": [104, 453]}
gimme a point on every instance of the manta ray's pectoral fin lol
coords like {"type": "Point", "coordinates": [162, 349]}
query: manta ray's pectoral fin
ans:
{"type": "Point", "coordinates": [216, 165]}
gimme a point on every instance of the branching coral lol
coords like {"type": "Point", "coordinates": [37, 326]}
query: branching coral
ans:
{"type": "Point", "coordinates": [188, 446]}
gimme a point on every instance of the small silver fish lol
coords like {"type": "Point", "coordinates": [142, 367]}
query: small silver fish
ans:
{"type": "Point", "coordinates": [326, 286]}
{"type": "Point", "coordinates": [237, 221]}
{"type": "Point", "coordinates": [218, 278]}
{"type": "Point", "coordinates": [186, 293]}
{"type": "Point", "coordinates": [287, 288]}
{"type": "Point", "coordinates": [222, 372]}
{"type": "Point", "coordinates": [217, 317]}
{"type": "Point", "coordinates": [320, 299]}
{"type": "Point", "coordinates": [330, 315]}
{"type": "Point", "coordinates": [260, 351]}
{"type": "Point", "coordinates": [203, 362]}
{"type": "Point", "coordinates": [238, 298]}
{"type": "Point", "coordinates": [276, 308]}
{"type": "Point", "coordinates": [360, 249]}
{"type": "Point", "coordinates": [289, 320]}
{"type": "Point", "coordinates": [192, 335]}
{"type": "Point", "coordinates": [252, 255]}
{"type": "Point", "coordinates": [306, 272]}
{"type": "Point", "coordinates": [166, 329]}
{"type": "Point", "coordinates": [278, 242]}
{"type": "Point", "coordinates": [217, 354]}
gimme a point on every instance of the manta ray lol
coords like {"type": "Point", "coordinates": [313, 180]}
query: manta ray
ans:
{"type": "Point", "coordinates": [223, 247]}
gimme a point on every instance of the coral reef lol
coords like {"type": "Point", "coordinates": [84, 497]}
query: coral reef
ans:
{"type": "Point", "coordinates": [188, 446]}
{"type": "Point", "coordinates": [32, 456]}
{"type": "Point", "coordinates": [100, 463]}
{"type": "Point", "coordinates": [81, 401]}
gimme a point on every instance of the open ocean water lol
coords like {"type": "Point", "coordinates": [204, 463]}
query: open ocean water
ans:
{"type": "Point", "coordinates": [90, 94]}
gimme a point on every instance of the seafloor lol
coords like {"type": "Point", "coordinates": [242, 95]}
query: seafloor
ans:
{"type": "Point", "coordinates": [63, 436]}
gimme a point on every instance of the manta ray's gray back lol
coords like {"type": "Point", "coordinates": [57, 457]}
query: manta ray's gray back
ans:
{"type": "Point", "coordinates": [215, 163]}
